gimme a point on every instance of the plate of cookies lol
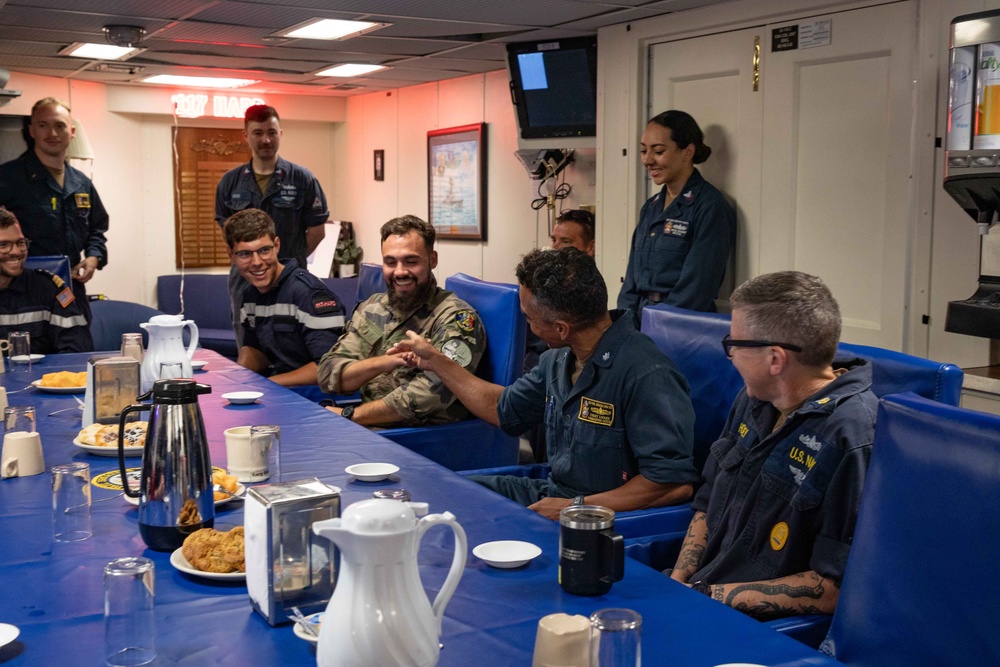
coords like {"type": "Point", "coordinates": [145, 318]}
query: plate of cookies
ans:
{"type": "Point", "coordinates": [102, 439]}
{"type": "Point", "coordinates": [212, 554]}
{"type": "Point", "coordinates": [62, 382]}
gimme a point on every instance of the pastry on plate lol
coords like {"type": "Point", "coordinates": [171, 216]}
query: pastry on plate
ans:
{"type": "Point", "coordinates": [210, 550]}
{"type": "Point", "coordinates": [88, 434]}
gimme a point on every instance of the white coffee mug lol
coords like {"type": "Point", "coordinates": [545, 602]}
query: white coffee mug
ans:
{"type": "Point", "coordinates": [245, 458]}
{"type": "Point", "coordinates": [22, 455]}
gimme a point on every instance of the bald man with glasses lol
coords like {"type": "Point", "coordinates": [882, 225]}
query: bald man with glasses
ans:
{"type": "Point", "coordinates": [775, 517]}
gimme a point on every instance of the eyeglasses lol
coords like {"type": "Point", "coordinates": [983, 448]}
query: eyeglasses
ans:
{"type": "Point", "coordinates": [728, 344]}
{"type": "Point", "coordinates": [263, 252]}
{"type": "Point", "coordinates": [7, 246]}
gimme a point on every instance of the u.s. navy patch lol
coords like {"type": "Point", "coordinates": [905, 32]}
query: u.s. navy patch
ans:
{"type": "Point", "coordinates": [82, 200]}
{"type": "Point", "coordinates": [466, 320]}
{"type": "Point", "coordinates": [596, 412]}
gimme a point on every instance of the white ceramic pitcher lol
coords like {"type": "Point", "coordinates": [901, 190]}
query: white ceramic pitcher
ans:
{"type": "Point", "coordinates": [166, 344]}
{"type": "Point", "coordinates": [380, 613]}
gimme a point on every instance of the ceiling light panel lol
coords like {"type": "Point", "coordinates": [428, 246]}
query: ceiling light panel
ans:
{"type": "Point", "coordinates": [350, 69]}
{"type": "Point", "coordinates": [99, 51]}
{"type": "Point", "coordinates": [329, 29]}
{"type": "Point", "coordinates": [198, 81]}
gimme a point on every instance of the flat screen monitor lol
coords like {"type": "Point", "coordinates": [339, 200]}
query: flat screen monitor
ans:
{"type": "Point", "coordinates": [554, 86]}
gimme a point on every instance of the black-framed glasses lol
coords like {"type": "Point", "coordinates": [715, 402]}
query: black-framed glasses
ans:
{"type": "Point", "coordinates": [729, 343]}
{"type": "Point", "coordinates": [264, 252]}
{"type": "Point", "coordinates": [7, 246]}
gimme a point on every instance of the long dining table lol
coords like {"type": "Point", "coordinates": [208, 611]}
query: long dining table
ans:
{"type": "Point", "coordinates": [53, 591]}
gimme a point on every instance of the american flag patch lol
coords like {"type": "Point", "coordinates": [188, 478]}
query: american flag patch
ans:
{"type": "Point", "coordinates": [65, 297]}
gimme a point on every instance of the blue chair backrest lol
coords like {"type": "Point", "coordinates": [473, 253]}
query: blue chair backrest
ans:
{"type": "Point", "coordinates": [499, 308]}
{"type": "Point", "coordinates": [692, 340]}
{"type": "Point", "coordinates": [113, 318]}
{"type": "Point", "coordinates": [346, 291]}
{"type": "Point", "coordinates": [923, 564]}
{"type": "Point", "coordinates": [57, 264]}
{"type": "Point", "coordinates": [370, 281]}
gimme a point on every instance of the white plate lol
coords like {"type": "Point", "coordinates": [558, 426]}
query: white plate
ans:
{"type": "Point", "coordinates": [21, 358]}
{"type": "Point", "coordinates": [506, 554]}
{"type": "Point", "coordinates": [106, 451]}
{"type": "Point", "coordinates": [9, 633]}
{"type": "Point", "coordinates": [58, 390]}
{"type": "Point", "coordinates": [242, 397]}
{"type": "Point", "coordinates": [240, 490]}
{"type": "Point", "coordinates": [371, 472]}
{"type": "Point", "coordinates": [198, 364]}
{"type": "Point", "coordinates": [313, 619]}
{"type": "Point", "coordinates": [178, 560]}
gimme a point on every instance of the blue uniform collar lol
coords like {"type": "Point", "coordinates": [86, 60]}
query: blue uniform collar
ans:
{"type": "Point", "coordinates": [689, 193]}
{"type": "Point", "coordinates": [857, 379]}
{"type": "Point", "coordinates": [281, 169]}
{"type": "Point", "coordinates": [35, 171]}
{"type": "Point", "coordinates": [612, 340]}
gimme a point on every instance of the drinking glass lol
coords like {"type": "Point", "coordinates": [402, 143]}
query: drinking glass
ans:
{"type": "Point", "coordinates": [170, 370]}
{"type": "Point", "coordinates": [132, 346]}
{"type": "Point", "coordinates": [615, 638]}
{"type": "Point", "coordinates": [129, 622]}
{"type": "Point", "coordinates": [267, 437]}
{"type": "Point", "coordinates": [71, 502]}
{"type": "Point", "coordinates": [20, 351]}
{"type": "Point", "coordinates": [19, 418]}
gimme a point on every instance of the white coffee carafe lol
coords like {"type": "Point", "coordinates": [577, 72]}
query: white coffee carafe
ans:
{"type": "Point", "coordinates": [166, 344]}
{"type": "Point", "coordinates": [380, 613]}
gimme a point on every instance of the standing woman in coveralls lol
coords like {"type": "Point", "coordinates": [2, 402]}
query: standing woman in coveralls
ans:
{"type": "Point", "coordinates": [681, 246]}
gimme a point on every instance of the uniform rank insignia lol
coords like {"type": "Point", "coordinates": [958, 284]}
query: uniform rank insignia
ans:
{"type": "Point", "coordinates": [66, 296]}
{"type": "Point", "coordinates": [466, 320]}
{"type": "Point", "coordinates": [688, 196]}
{"type": "Point", "coordinates": [82, 200]}
{"type": "Point", "coordinates": [596, 412]}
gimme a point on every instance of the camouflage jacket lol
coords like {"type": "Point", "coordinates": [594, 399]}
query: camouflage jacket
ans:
{"type": "Point", "coordinates": [420, 398]}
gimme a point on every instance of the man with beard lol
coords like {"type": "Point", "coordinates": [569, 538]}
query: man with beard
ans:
{"type": "Point", "coordinates": [287, 192]}
{"type": "Point", "coordinates": [392, 393]}
{"type": "Point", "coordinates": [37, 302]}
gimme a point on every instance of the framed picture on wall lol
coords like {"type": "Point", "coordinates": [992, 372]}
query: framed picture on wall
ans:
{"type": "Point", "coordinates": [456, 182]}
{"type": "Point", "coordinates": [380, 165]}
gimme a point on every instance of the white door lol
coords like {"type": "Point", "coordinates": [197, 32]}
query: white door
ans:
{"type": "Point", "coordinates": [712, 78]}
{"type": "Point", "coordinates": [837, 166]}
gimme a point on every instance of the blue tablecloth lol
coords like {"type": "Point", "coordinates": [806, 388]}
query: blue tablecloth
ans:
{"type": "Point", "coordinates": [53, 591]}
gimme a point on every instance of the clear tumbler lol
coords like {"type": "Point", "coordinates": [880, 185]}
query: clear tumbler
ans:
{"type": "Point", "coordinates": [615, 638]}
{"type": "Point", "coordinates": [71, 502]}
{"type": "Point", "coordinates": [129, 623]}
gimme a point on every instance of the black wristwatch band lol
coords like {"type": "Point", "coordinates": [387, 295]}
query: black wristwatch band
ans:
{"type": "Point", "coordinates": [702, 587]}
{"type": "Point", "coordinates": [348, 412]}
{"type": "Point", "coordinates": [577, 501]}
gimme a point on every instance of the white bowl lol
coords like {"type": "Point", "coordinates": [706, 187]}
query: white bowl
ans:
{"type": "Point", "coordinates": [25, 358]}
{"type": "Point", "coordinates": [506, 554]}
{"type": "Point", "coordinates": [242, 397]}
{"type": "Point", "coordinates": [198, 364]}
{"type": "Point", "coordinates": [312, 619]}
{"type": "Point", "coordinates": [371, 472]}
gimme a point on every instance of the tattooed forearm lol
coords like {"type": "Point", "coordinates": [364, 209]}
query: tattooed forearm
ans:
{"type": "Point", "coordinates": [805, 593]}
{"type": "Point", "coordinates": [693, 549]}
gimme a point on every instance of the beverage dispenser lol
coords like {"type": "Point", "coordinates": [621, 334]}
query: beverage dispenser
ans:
{"type": "Point", "coordinates": [972, 160]}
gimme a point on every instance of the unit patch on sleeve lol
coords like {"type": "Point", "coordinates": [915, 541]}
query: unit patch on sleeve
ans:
{"type": "Point", "coordinates": [466, 320]}
{"type": "Point", "coordinates": [65, 297]}
{"type": "Point", "coordinates": [323, 305]}
{"type": "Point", "coordinates": [458, 351]}
{"type": "Point", "coordinates": [596, 412]}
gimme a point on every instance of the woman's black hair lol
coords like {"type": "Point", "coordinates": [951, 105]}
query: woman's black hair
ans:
{"type": "Point", "coordinates": [684, 131]}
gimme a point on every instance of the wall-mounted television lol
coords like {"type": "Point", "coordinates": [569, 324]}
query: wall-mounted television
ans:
{"type": "Point", "coordinates": [554, 87]}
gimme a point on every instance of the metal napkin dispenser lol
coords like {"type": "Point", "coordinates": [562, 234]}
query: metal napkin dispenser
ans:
{"type": "Point", "coordinates": [112, 385]}
{"type": "Point", "coordinates": [287, 565]}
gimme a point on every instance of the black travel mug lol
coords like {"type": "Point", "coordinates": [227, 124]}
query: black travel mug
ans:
{"type": "Point", "coordinates": [591, 553]}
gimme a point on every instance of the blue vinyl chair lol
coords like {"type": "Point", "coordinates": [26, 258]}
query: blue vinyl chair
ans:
{"type": "Point", "coordinates": [370, 281]}
{"type": "Point", "coordinates": [928, 525]}
{"type": "Point", "coordinates": [475, 443]}
{"type": "Point", "coordinates": [113, 318]}
{"type": "Point", "coordinates": [57, 264]}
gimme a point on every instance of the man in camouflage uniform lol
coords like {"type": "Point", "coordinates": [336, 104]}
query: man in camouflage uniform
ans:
{"type": "Point", "coordinates": [392, 393]}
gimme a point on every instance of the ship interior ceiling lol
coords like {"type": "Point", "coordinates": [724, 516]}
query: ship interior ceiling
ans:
{"type": "Point", "coordinates": [420, 42]}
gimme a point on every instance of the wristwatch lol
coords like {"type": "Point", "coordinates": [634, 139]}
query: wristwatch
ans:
{"type": "Point", "coordinates": [348, 412]}
{"type": "Point", "coordinates": [577, 501]}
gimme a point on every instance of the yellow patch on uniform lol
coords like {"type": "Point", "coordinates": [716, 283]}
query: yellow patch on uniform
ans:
{"type": "Point", "coordinates": [82, 200]}
{"type": "Point", "coordinates": [743, 430]}
{"type": "Point", "coordinates": [596, 412]}
{"type": "Point", "coordinates": [466, 320]}
{"type": "Point", "coordinates": [779, 536]}
{"type": "Point", "coordinates": [823, 400]}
